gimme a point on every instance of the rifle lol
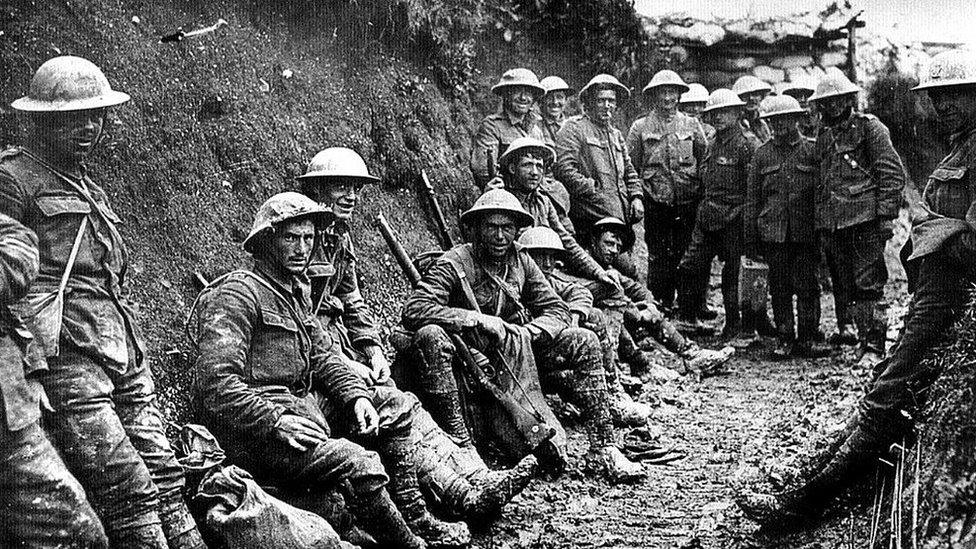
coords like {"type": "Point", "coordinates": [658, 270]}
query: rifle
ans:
{"type": "Point", "coordinates": [445, 236]}
{"type": "Point", "coordinates": [492, 170]}
{"type": "Point", "coordinates": [477, 366]}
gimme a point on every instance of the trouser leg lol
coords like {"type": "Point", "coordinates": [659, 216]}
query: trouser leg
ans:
{"type": "Point", "coordinates": [93, 442]}
{"type": "Point", "coordinates": [939, 299]}
{"type": "Point", "coordinates": [696, 261]}
{"type": "Point", "coordinates": [436, 382]}
{"type": "Point", "coordinates": [135, 404]}
{"type": "Point", "coordinates": [653, 322]}
{"type": "Point", "coordinates": [779, 258]}
{"type": "Point", "coordinates": [660, 224]}
{"type": "Point", "coordinates": [42, 505]}
{"type": "Point", "coordinates": [578, 349]}
{"type": "Point", "coordinates": [870, 273]}
{"type": "Point", "coordinates": [807, 290]}
{"type": "Point", "coordinates": [841, 275]}
{"type": "Point", "coordinates": [607, 325]}
{"type": "Point", "coordinates": [730, 251]}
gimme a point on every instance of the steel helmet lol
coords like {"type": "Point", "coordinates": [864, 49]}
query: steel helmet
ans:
{"type": "Point", "coordinates": [336, 163]}
{"type": "Point", "coordinates": [527, 143]}
{"type": "Point", "coordinates": [498, 201]}
{"type": "Point", "coordinates": [833, 85]}
{"type": "Point", "coordinates": [949, 68]}
{"type": "Point", "coordinates": [283, 207]}
{"type": "Point", "coordinates": [518, 77]}
{"type": "Point", "coordinates": [554, 84]}
{"type": "Point", "coordinates": [723, 98]}
{"type": "Point", "coordinates": [801, 88]}
{"type": "Point", "coordinates": [748, 84]}
{"type": "Point", "coordinates": [614, 224]}
{"type": "Point", "coordinates": [779, 105]}
{"type": "Point", "coordinates": [696, 94]}
{"type": "Point", "coordinates": [604, 81]}
{"type": "Point", "coordinates": [541, 238]}
{"type": "Point", "coordinates": [665, 78]}
{"type": "Point", "coordinates": [68, 83]}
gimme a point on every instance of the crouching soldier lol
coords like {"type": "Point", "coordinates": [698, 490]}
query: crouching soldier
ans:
{"type": "Point", "coordinates": [517, 316]}
{"type": "Point", "coordinates": [269, 386]}
{"type": "Point", "coordinates": [546, 248]}
{"type": "Point", "coordinates": [105, 420]}
{"type": "Point", "coordinates": [610, 236]}
{"type": "Point", "coordinates": [42, 504]}
{"type": "Point", "coordinates": [944, 248]}
{"type": "Point", "coordinates": [779, 226]}
{"type": "Point", "coordinates": [335, 178]}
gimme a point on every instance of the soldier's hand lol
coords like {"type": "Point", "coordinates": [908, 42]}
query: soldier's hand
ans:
{"type": "Point", "coordinates": [298, 432]}
{"type": "Point", "coordinates": [637, 209]}
{"type": "Point", "coordinates": [495, 183]}
{"type": "Point", "coordinates": [575, 319]}
{"type": "Point", "coordinates": [367, 420]}
{"type": "Point", "coordinates": [493, 326]}
{"type": "Point", "coordinates": [379, 367]}
{"type": "Point", "coordinates": [610, 279]}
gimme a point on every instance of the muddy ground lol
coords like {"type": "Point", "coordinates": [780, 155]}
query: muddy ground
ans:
{"type": "Point", "coordinates": [743, 429]}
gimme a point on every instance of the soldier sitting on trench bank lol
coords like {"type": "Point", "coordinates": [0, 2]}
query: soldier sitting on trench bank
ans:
{"type": "Point", "coordinates": [457, 475]}
{"type": "Point", "coordinates": [271, 387]}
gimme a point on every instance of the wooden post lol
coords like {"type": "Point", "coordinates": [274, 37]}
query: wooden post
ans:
{"type": "Point", "coordinates": [852, 47]}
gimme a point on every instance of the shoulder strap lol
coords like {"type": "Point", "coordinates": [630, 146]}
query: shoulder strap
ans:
{"type": "Point", "coordinates": [73, 255]}
{"type": "Point", "coordinates": [463, 279]}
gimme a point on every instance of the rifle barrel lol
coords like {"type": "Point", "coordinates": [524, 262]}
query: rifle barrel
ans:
{"type": "Point", "coordinates": [442, 231]}
{"type": "Point", "coordinates": [399, 254]}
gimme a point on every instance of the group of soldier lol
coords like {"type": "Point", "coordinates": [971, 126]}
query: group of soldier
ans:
{"type": "Point", "coordinates": [542, 297]}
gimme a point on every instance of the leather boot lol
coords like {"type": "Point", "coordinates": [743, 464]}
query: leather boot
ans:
{"type": "Point", "coordinates": [855, 456]}
{"type": "Point", "coordinates": [609, 461]}
{"type": "Point", "coordinates": [378, 516]}
{"type": "Point", "coordinates": [446, 410]}
{"type": "Point", "coordinates": [492, 491]}
{"type": "Point", "coordinates": [706, 361]}
{"type": "Point", "coordinates": [846, 335]}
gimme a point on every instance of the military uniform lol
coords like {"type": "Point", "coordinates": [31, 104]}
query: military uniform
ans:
{"type": "Point", "coordinates": [494, 135]}
{"type": "Point", "coordinates": [667, 154]}
{"type": "Point", "coordinates": [861, 180]}
{"type": "Point", "coordinates": [550, 127]}
{"type": "Point", "coordinates": [779, 223]}
{"type": "Point", "coordinates": [42, 504]}
{"type": "Point", "coordinates": [105, 419]}
{"type": "Point", "coordinates": [758, 127]}
{"type": "Point", "coordinates": [718, 226]}
{"type": "Point", "coordinates": [593, 163]}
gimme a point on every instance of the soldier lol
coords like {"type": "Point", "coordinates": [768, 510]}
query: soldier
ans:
{"type": "Point", "coordinates": [667, 147]}
{"type": "Point", "coordinates": [519, 90]}
{"type": "Point", "coordinates": [518, 316]}
{"type": "Point", "coordinates": [545, 246]}
{"type": "Point", "coordinates": [105, 422]}
{"type": "Point", "coordinates": [557, 92]}
{"type": "Point", "coordinates": [801, 90]}
{"type": "Point", "coordinates": [334, 179]}
{"type": "Point", "coordinates": [752, 91]}
{"type": "Point", "coordinates": [692, 103]}
{"type": "Point", "coordinates": [779, 226]}
{"type": "Point", "coordinates": [944, 248]}
{"type": "Point", "coordinates": [270, 385]}
{"type": "Point", "coordinates": [592, 160]}
{"type": "Point", "coordinates": [859, 195]}
{"type": "Point", "coordinates": [43, 505]}
{"type": "Point", "coordinates": [641, 315]}
{"type": "Point", "coordinates": [718, 226]}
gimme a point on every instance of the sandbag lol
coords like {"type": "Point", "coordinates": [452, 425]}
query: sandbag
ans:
{"type": "Point", "coordinates": [243, 515]}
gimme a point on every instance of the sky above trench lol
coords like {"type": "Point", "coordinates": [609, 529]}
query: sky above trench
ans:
{"type": "Point", "coordinates": [906, 20]}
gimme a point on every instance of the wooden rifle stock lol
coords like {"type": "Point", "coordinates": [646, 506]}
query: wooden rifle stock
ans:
{"type": "Point", "coordinates": [445, 235]}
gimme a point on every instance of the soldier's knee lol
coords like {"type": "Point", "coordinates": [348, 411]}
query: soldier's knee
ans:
{"type": "Point", "coordinates": [432, 335]}
{"type": "Point", "coordinates": [362, 471]}
{"type": "Point", "coordinates": [395, 407]}
{"type": "Point", "coordinates": [586, 347]}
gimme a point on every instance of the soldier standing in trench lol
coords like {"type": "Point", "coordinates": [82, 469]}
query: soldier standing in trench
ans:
{"type": "Point", "coordinates": [801, 90]}
{"type": "Point", "coordinates": [944, 249]}
{"type": "Point", "coordinates": [42, 504]}
{"type": "Point", "coordinates": [779, 226]}
{"type": "Point", "coordinates": [858, 198]}
{"type": "Point", "coordinates": [692, 103]}
{"type": "Point", "coordinates": [667, 148]}
{"type": "Point", "coordinates": [752, 91]}
{"type": "Point", "coordinates": [105, 420]}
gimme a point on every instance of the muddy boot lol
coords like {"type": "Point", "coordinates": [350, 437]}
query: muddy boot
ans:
{"type": "Point", "coordinates": [438, 533]}
{"type": "Point", "coordinates": [611, 463]}
{"type": "Point", "coordinates": [855, 456]}
{"type": "Point", "coordinates": [846, 335]}
{"type": "Point", "coordinates": [807, 348]}
{"type": "Point", "coordinates": [627, 412]}
{"type": "Point", "coordinates": [491, 492]}
{"type": "Point", "coordinates": [178, 525]}
{"type": "Point", "coordinates": [871, 318]}
{"type": "Point", "coordinates": [378, 516]}
{"type": "Point", "coordinates": [706, 361]}
{"type": "Point", "coordinates": [445, 408]}
{"type": "Point", "coordinates": [784, 349]}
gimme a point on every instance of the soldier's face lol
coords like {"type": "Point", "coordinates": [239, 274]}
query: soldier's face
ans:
{"type": "Point", "coordinates": [604, 106]}
{"type": "Point", "coordinates": [70, 135]}
{"type": "Point", "coordinates": [723, 119]}
{"type": "Point", "coordinates": [519, 99]}
{"type": "Point", "coordinates": [606, 249]}
{"type": "Point", "coordinates": [753, 99]}
{"type": "Point", "coordinates": [956, 107]}
{"type": "Point", "coordinates": [495, 233]}
{"type": "Point", "coordinates": [553, 104]}
{"type": "Point", "coordinates": [527, 172]}
{"type": "Point", "coordinates": [692, 109]}
{"type": "Point", "coordinates": [545, 259]}
{"type": "Point", "coordinates": [834, 107]}
{"type": "Point", "coordinates": [783, 127]}
{"type": "Point", "coordinates": [342, 196]}
{"type": "Point", "coordinates": [291, 245]}
{"type": "Point", "coordinates": [666, 98]}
